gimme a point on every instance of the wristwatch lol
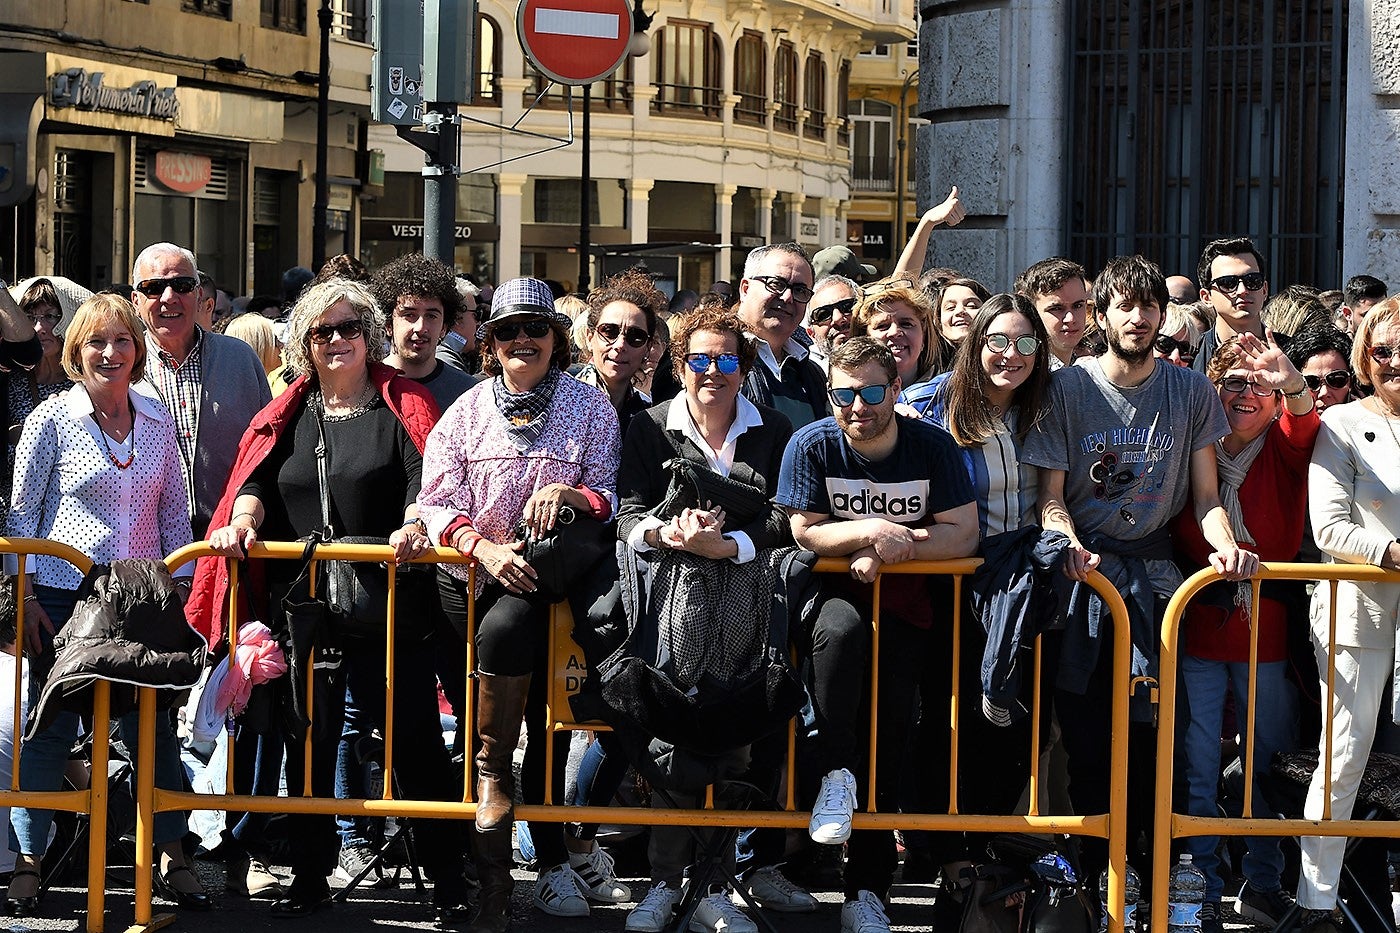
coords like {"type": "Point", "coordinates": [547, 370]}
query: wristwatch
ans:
{"type": "Point", "coordinates": [418, 523]}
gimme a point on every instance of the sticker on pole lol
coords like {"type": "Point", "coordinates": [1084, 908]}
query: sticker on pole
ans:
{"type": "Point", "coordinates": [575, 41]}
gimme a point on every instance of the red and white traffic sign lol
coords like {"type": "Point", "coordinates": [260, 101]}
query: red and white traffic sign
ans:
{"type": "Point", "coordinates": [575, 41]}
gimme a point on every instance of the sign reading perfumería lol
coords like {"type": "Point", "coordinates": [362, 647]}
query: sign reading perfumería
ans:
{"type": "Point", "coordinates": [111, 96]}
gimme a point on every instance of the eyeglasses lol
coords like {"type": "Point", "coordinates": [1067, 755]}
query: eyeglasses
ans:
{"type": "Point", "coordinates": [1337, 379]}
{"type": "Point", "coordinates": [885, 285]}
{"type": "Point", "coordinates": [825, 313]}
{"type": "Point", "coordinates": [846, 397]}
{"type": "Point", "coordinates": [534, 329]}
{"type": "Point", "coordinates": [179, 284]}
{"type": "Point", "coordinates": [726, 363]}
{"type": "Point", "coordinates": [325, 333]}
{"type": "Point", "coordinates": [51, 318]}
{"type": "Point", "coordinates": [1165, 345]}
{"type": "Point", "coordinates": [776, 285]}
{"type": "Point", "coordinates": [1025, 345]}
{"type": "Point", "coordinates": [1253, 281]}
{"type": "Point", "coordinates": [1237, 385]}
{"type": "Point", "coordinates": [635, 336]}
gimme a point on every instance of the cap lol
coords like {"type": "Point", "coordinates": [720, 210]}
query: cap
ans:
{"type": "Point", "coordinates": [522, 297]}
{"type": "Point", "coordinates": [839, 260]}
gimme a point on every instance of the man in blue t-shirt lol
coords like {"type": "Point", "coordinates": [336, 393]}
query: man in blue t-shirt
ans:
{"type": "Point", "coordinates": [877, 488]}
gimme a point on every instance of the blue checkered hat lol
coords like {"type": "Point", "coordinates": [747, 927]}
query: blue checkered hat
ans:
{"type": "Point", "coordinates": [522, 297]}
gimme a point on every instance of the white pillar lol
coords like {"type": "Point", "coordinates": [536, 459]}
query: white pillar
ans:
{"type": "Point", "coordinates": [794, 201]}
{"type": "Point", "coordinates": [765, 214]}
{"type": "Point", "coordinates": [831, 235]}
{"type": "Point", "coordinates": [511, 186]}
{"type": "Point", "coordinates": [724, 226]}
{"type": "Point", "coordinates": [638, 208]}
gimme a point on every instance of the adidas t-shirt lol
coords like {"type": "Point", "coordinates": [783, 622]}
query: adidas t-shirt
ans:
{"type": "Point", "coordinates": [922, 477]}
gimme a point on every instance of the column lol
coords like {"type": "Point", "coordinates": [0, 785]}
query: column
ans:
{"type": "Point", "coordinates": [724, 226]}
{"type": "Point", "coordinates": [765, 214]}
{"type": "Point", "coordinates": [831, 234]}
{"type": "Point", "coordinates": [794, 201]}
{"type": "Point", "coordinates": [638, 208]}
{"type": "Point", "coordinates": [511, 186]}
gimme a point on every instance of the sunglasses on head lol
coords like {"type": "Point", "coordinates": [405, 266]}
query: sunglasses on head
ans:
{"type": "Point", "coordinates": [1165, 345]}
{"type": "Point", "coordinates": [846, 397]}
{"type": "Point", "coordinates": [1253, 281]}
{"type": "Point", "coordinates": [534, 329]}
{"type": "Point", "coordinates": [325, 333]}
{"type": "Point", "coordinates": [1238, 384]}
{"type": "Point", "coordinates": [635, 336]}
{"type": "Point", "coordinates": [726, 363]}
{"type": "Point", "coordinates": [825, 313]}
{"type": "Point", "coordinates": [179, 284]}
{"type": "Point", "coordinates": [1337, 379]}
{"type": "Point", "coordinates": [1025, 345]}
{"type": "Point", "coordinates": [776, 285]}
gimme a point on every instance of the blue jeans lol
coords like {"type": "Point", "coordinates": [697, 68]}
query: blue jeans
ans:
{"type": "Point", "coordinates": [351, 775]}
{"type": "Point", "coordinates": [1204, 684]}
{"type": "Point", "coordinates": [44, 757]}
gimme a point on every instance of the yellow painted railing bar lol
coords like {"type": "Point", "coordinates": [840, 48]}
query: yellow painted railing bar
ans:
{"type": "Point", "coordinates": [145, 802]}
{"type": "Point", "coordinates": [1035, 731]}
{"type": "Point", "coordinates": [1252, 693]}
{"type": "Point", "coordinates": [954, 705]}
{"type": "Point", "coordinates": [390, 617]}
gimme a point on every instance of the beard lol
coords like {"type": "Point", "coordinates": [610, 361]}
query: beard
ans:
{"type": "Point", "coordinates": [1116, 347]}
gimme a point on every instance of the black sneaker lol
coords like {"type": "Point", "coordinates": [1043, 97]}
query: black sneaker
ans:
{"type": "Point", "coordinates": [1209, 916]}
{"type": "Point", "coordinates": [1264, 908]}
{"type": "Point", "coordinates": [1317, 920]}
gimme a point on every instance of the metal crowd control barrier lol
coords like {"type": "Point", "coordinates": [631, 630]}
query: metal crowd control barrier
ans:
{"type": "Point", "coordinates": [92, 801]}
{"type": "Point", "coordinates": [1170, 825]}
{"type": "Point", "coordinates": [1110, 826]}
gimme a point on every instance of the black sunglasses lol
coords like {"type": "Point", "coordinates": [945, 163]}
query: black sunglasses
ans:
{"type": "Point", "coordinates": [1165, 345]}
{"type": "Point", "coordinates": [846, 397]}
{"type": "Point", "coordinates": [325, 333]}
{"type": "Point", "coordinates": [1253, 281]}
{"type": "Point", "coordinates": [179, 284]}
{"type": "Point", "coordinates": [635, 336]}
{"type": "Point", "coordinates": [1337, 379]}
{"type": "Point", "coordinates": [776, 285]}
{"type": "Point", "coordinates": [1238, 385]}
{"type": "Point", "coordinates": [535, 329]}
{"type": "Point", "coordinates": [825, 313]}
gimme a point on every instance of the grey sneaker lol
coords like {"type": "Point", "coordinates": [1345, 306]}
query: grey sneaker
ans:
{"type": "Point", "coordinates": [1318, 920]}
{"type": "Point", "coordinates": [355, 862]}
{"type": "Point", "coordinates": [1265, 908]}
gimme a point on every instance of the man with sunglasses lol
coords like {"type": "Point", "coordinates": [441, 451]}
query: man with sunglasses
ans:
{"type": "Point", "coordinates": [212, 384]}
{"type": "Point", "coordinates": [877, 488]}
{"type": "Point", "coordinates": [829, 314]}
{"type": "Point", "coordinates": [1231, 276]}
{"type": "Point", "coordinates": [773, 296]}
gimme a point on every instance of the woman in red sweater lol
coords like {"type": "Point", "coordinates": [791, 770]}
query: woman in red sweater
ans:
{"type": "Point", "coordinates": [1263, 465]}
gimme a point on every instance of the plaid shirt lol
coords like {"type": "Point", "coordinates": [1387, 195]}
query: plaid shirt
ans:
{"type": "Point", "coordinates": [179, 387]}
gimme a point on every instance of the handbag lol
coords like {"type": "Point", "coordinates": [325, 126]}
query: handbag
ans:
{"type": "Point", "coordinates": [694, 486]}
{"type": "Point", "coordinates": [568, 551]}
{"type": "Point", "coordinates": [308, 629]}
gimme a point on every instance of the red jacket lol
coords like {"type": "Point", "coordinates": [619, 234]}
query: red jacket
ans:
{"type": "Point", "coordinates": [206, 609]}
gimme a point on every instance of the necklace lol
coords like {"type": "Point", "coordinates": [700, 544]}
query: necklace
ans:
{"type": "Point", "coordinates": [130, 448]}
{"type": "Point", "coordinates": [348, 407]}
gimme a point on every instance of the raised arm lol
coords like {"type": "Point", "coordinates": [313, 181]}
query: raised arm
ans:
{"type": "Point", "coordinates": [911, 261]}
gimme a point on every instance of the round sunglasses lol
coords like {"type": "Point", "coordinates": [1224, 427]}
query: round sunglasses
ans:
{"type": "Point", "coordinates": [634, 336]}
{"type": "Point", "coordinates": [1025, 345]}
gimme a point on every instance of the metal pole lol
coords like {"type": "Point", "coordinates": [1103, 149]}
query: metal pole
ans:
{"type": "Point", "coordinates": [323, 103]}
{"type": "Point", "coordinates": [901, 183]}
{"type": "Point", "coordinates": [585, 198]}
{"type": "Point", "coordinates": [440, 185]}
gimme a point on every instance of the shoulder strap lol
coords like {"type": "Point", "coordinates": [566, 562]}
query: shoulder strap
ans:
{"type": "Point", "coordinates": [322, 454]}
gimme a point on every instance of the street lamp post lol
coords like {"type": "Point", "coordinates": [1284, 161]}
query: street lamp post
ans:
{"type": "Point", "coordinates": [319, 210]}
{"type": "Point", "coordinates": [901, 183]}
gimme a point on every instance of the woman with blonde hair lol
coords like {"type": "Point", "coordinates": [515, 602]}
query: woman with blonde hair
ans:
{"type": "Point", "coordinates": [256, 331]}
{"type": "Point", "coordinates": [898, 314]}
{"type": "Point", "coordinates": [1179, 337]}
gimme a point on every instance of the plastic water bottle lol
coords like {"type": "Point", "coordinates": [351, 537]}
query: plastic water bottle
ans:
{"type": "Point", "coordinates": [1185, 894]}
{"type": "Point", "coordinates": [1132, 891]}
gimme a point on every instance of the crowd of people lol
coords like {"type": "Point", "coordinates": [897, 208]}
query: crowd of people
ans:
{"type": "Point", "coordinates": [1131, 423]}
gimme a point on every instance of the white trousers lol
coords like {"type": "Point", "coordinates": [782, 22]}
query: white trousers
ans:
{"type": "Point", "coordinates": [1361, 678]}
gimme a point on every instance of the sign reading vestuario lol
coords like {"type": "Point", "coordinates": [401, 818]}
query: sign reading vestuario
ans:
{"type": "Point", "coordinates": [84, 90]}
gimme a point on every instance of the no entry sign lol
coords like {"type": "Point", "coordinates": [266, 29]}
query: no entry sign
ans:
{"type": "Point", "coordinates": [575, 41]}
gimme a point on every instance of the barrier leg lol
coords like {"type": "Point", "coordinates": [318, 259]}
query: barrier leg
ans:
{"type": "Point", "coordinates": [97, 809]}
{"type": "Point", "coordinates": [145, 815]}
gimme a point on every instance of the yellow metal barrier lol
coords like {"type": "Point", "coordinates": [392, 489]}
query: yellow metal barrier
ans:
{"type": "Point", "coordinates": [1168, 824]}
{"type": "Point", "coordinates": [92, 801]}
{"type": "Point", "coordinates": [1110, 826]}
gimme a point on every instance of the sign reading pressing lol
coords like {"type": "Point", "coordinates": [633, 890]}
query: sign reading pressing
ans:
{"type": "Point", "coordinates": [184, 172]}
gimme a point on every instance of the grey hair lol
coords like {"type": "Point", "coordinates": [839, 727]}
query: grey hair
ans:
{"type": "Point", "coordinates": [162, 249]}
{"type": "Point", "coordinates": [465, 287]}
{"type": "Point", "coordinates": [1178, 316]}
{"type": "Point", "coordinates": [319, 298]}
{"type": "Point", "coordinates": [834, 279]}
{"type": "Point", "coordinates": [755, 257]}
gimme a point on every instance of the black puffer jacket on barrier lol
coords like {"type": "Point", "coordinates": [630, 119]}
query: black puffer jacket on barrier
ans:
{"type": "Point", "coordinates": [128, 628]}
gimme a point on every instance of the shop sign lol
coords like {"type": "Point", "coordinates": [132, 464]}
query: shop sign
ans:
{"type": "Point", "coordinates": [402, 230]}
{"type": "Point", "coordinates": [809, 229]}
{"type": "Point", "coordinates": [184, 172]}
{"type": "Point", "coordinates": [84, 90]}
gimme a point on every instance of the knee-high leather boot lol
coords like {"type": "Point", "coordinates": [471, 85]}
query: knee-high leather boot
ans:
{"type": "Point", "coordinates": [499, 714]}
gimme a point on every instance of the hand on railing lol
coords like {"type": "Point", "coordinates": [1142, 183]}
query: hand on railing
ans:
{"type": "Point", "coordinates": [233, 540]}
{"type": "Point", "coordinates": [1235, 563]}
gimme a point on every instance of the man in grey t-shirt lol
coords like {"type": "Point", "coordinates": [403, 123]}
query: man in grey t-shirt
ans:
{"type": "Point", "coordinates": [1124, 442]}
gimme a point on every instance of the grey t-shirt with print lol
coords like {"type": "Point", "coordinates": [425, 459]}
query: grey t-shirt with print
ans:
{"type": "Point", "coordinates": [1126, 452]}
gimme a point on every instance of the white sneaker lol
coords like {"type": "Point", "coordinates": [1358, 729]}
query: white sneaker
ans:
{"type": "Point", "coordinates": [831, 817]}
{"type": "Point", "coordinates": [557, 893]}
{"type": "Point", "coordinates": [656, 910]}
{"type": "Point", "coordinates": [773, 890]}
{"type": "Point", "coordinates": [718, 914]}
{"type": "Point", "coordinates": [596, 873]}
{"type": "Point", "coordinates": [865, 914]}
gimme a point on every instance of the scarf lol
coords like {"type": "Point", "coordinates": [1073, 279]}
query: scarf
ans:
{"type": "Point", "coordinates": [1232, 472]}
{"type": "Point", "coordinates": [525, 413]}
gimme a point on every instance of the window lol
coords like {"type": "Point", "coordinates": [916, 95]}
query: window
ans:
{"type": "Point", "coordinates": [880, 51]}
{"type": "Point", "coordinates": [750, 74]}
{"type": "Point", "coordinates": [814, 95]}
{"type": "Point", "coordinates": [872, 145]}
{"type": "Point", "coordinates": [284, 15]}
{"type": "Point", "coordinates": [488, 62]}
{"type": "Point", "coordinates": [686, 70]}
{"type": "Point", "coordinates": [612, 93]}
{"type": "Point", "coordinates": [843, 102]}
{"type": "Point", "coordinates": [219, 9]}
{"type": "Point", "coordinates": [350, 19]}
{"type": "Point", "coordinates": [785, 87]}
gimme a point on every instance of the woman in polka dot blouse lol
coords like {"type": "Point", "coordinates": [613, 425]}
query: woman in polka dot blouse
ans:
{"type": "Point", "coordinates": [97, 468]}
